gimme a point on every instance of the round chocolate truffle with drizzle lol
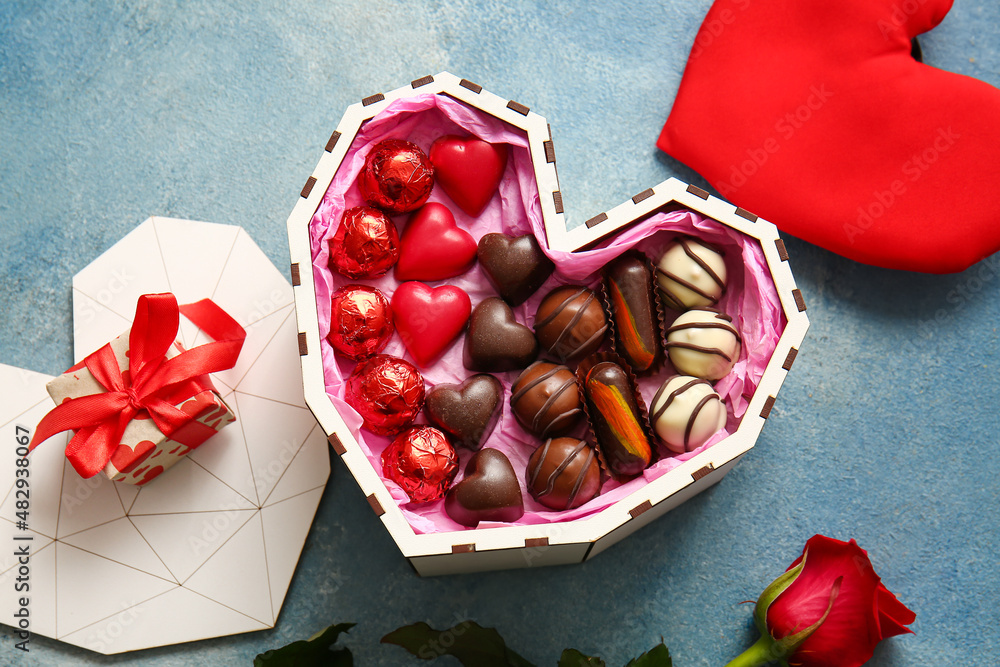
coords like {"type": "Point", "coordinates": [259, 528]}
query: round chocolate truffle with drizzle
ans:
{"type": "Point", "coordinates": [690, 274]}
{"type": "Point", "coordinates": [570, 323]}
{"type": "Point", "coordinates": [563, 473]}
{"type": "Point", "coordinates": [703, 342]}
{"type": "Point", "coordinates": [685, 412]}
{"type": "Point", "coordinates": [545, 400]}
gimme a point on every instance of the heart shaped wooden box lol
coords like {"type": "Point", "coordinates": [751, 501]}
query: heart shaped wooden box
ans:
{"type": "Point", "coordinates": [432, 553]}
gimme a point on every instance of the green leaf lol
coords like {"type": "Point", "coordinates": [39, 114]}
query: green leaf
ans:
{"type": "Point", "coordinates": [573, 658]}
{"type": "Point", "coordinates": [473, 645]}
{"type": "Point", "coordinates": [658, 656]}
{"type": "Point", "coordinates": [317, 651]}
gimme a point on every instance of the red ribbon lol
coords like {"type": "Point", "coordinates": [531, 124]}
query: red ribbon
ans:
{"type": "Point", "coordinates": [153, 383]}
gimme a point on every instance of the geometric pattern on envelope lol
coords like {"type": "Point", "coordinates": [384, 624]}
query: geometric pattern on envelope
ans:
{"type": "Point", "coordinates": [209, 548]}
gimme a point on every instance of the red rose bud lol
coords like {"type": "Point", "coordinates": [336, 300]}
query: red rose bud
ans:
{"type": "Point", "coordinates": [829, 609]}
{"type": "Point", "coordinates": [360, 321]}
{"type": "Point", "coordinates": [387, 392]}
{"type": "Point", "coordinates": [365, 245]}
{"type": "Point", "coordinates": [422, 462]}
{"type": "Point", "coordinates": [397, 176]}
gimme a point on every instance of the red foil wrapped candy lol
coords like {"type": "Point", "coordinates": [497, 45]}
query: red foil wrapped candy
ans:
{"type": "Point", "coordinates": [422, 462]}
{"type": "Point", "coordinates": [365, 245]}
{"type": "Point", "coordinates": [387, 392]}
{"type": "Point", "coordinates": [360, 321]}
{"type": "Point", "coordinates": [397, 176]}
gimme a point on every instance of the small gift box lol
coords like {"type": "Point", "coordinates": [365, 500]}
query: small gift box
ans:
{"type": "Point", "coordinates": [141, 402]}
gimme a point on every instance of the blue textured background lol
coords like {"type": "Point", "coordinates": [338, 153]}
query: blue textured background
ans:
{"type": "Point", "coordinates": [886, 430]}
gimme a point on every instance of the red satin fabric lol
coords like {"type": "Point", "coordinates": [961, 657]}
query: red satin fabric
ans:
{"type": "Point", "coordinates": [814, 115]}
{"type": "Point", "coordinates": [152, 383]}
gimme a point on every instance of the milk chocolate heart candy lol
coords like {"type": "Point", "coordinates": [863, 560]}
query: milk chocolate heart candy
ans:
{"type": "Point", "coordinates": [469, 170]}
{"type": "Point", "coordinates": [843, 139]}
{"type": "Point", "coordinates": [496, 341]}
{"type": "Point", "coordinates": [429, 319]}
{"type": "Point", "coordinates": [433, 247]}
{"type": "Point", "coordinates": [516, 266]}
{"type": "Point", "coordinates": [468, 411]}
{"type": "Point", "coordinates": [489, 491]}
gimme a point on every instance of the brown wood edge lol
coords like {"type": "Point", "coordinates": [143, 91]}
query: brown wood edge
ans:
{"type": "Point", "coordinates": [375, 505]}
{"type": "Point", "coordinates": [308, 187]}
{"type": "Point", "coordinates": [800, 302]}
{"type": "Point", "coordinates": [701, 472]}
{"type": "Point", "coordinates": [768, 405]}
{"type": "Point", "coordinates": [337, 444]}
{"type": "Point", "coordinates": [641, 508]}
{"type": "Point", "coordinates": [697, 192]}
{"type": "Point", "coordinates": [782, 250]}
{"type": "Point", "coordinates": [790, 359]}
{"type": "Point", "coordinates": [332, 141]}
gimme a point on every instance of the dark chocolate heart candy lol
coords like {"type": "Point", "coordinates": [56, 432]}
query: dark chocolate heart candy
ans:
{"type": "Point", "coordinates": [467, 411]}
{"type": "Point", "coordinates": [516, 266]}
{"type": "Point", "coordinates": [489, 491]}
{"type": "Point", "coordinates": [496, 341]}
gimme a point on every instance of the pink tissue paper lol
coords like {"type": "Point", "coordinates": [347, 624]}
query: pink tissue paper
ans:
{"type": "Point", "coordinates": [750, 298]}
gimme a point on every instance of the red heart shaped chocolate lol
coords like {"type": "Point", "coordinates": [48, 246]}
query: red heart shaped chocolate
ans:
{"type": "Point", "coordinates": [429, 319]}
{"type": "Point", "coordinates": [815, 115]}
{"type": "Point", "coordinates": [433, 247]}
{"type": "Point", "coordinates": [469, 170]}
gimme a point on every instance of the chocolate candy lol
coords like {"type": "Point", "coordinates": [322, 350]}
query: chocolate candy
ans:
{"type": "Point", "coordinates": [570, 323]}
{"type": "Point", "coordinates": [488, 492]}
{"type": "Point", "coordinates": [397, 176]}
{"type": "Point", "coordinates": [616, 418]}
{"type": "Point", "coordinates": [628, 283]}
{"type": "Point", "coordinates": [360, 321]}
{"type": "Point", "coordinates": [704, 343]}
{"type": "Point", "coordinates": [563, 473]}
{"type": "Point", "coordinates": [496, 341]}
{"type": "Point", "coordinates": [469, 411]}
{"type": "Point", "coordinates": [387, 392]}
{"type": "Point", "coordinates": [365, 245]}
{"type": "Point", "coordinates": [469, 170]}
{"type": "Point", "coordinates": [690, 274]}
{"type": "Point", "coordinates": [422, 462]}
{"type": "Point", "coordinates": [516, 266]}
{"type": "Point", "coordinates": [685, 412]}
{"type": "Point", "coordinates": [545, 400]}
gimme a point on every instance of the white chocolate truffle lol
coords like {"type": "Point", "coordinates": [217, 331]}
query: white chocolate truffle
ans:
{"type": "Point", "coordinates": [686, 412]}
{"type": "Point", "coordinates": [690, 274]}
{"type": "Point", "coordinates": [704, 343]}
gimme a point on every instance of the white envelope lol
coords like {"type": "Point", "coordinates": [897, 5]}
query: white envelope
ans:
{"type": "Point", "coordinates": [209, 548]}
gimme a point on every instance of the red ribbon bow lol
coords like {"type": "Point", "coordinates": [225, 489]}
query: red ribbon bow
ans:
{"type": "Point", "coordinates": [152, 383]}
